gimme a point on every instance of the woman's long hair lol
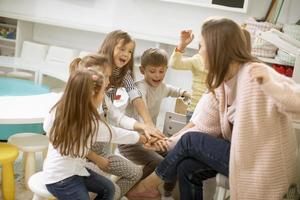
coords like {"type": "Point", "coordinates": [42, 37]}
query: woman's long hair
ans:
{"type": "Point", "coordinates": [107, 48]}
{"type": "Point", "coordinates": [225, 43]}
{"type": "Point", "coordinates": [76, 117]}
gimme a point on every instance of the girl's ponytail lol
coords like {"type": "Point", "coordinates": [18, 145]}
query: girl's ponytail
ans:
{"type": "Point", "coordinates": [74, 65]}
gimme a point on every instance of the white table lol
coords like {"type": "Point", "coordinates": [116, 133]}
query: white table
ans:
{"type": "Point", "coordinates": [26, 109]}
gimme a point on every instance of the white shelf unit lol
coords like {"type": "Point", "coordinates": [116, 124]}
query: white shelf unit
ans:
{"type": "Point", "coordinates": [287, 44]}
{"type": "Point", "coordinates": [7, 45]}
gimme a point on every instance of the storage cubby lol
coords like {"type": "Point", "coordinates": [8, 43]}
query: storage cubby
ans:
{"type": "Point", "coordinates": [8, 30]}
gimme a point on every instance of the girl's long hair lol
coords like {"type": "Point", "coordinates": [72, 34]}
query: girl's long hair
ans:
{"type": "Point", "coordinates": [107, 48]}
{"type": "Point", "coordinates": [96, 60]}
{"type": "Point", "coordinates": [76, 118]}
{"type": "Point", "coordinates": [225, 43]}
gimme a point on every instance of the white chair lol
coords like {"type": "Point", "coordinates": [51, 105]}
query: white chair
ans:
{"type": "Point", "coordinates": [29, 144]}
{"type": "Point", "coordinates": [37, 186]}
{"type": "Point", "coordinates": [32, 54]}
{"type": "Point", "coordinates": [57, 62]}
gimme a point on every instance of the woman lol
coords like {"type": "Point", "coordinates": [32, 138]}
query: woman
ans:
{"type": "Point", "coordinates": [242, 127]}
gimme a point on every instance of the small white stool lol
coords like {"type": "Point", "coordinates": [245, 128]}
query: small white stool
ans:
{"type": "Point", "coordinates": [29, 144]}
{"type": "Point", "coordinates": [37, 186]}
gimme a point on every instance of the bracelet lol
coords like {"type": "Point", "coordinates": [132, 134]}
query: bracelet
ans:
{"type": "Point", "coordinates": [178, 50]}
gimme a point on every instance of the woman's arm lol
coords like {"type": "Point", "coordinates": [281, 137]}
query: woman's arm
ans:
{"type": "Point", "coordinates": [284, 91]}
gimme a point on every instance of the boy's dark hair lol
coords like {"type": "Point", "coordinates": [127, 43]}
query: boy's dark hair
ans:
{"type": "Point", "coordinates": [154, 57]}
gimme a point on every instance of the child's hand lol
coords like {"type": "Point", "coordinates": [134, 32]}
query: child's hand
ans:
{"type": "Point", "coordinates": [186, 98]}
{"type": "Point", "coordinates": [103, 163]}
{"type": "Point", "coordinates": [100, 161]}
{"type": "Point", "coordinates": [186, 37]}
{"type": "Point", "coordinates": [159, 145]}
{"type": "Point", "coordinates": [260, 73]}
{"type": "Point", "coordinates": [186, 95]}
{"type": "Point", "coordinates": [151, 131]}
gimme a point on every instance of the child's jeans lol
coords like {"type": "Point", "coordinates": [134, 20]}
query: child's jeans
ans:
{"type": "Point", "coordinates": [128, 172]}
{"type": "Point", "coordinates": [78, 187]}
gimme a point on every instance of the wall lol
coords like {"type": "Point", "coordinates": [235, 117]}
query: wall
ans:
{"type": "Point", "coordinates": [152, 22]}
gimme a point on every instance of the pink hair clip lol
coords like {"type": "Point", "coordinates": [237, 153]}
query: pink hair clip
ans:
{"type": "Point", "coordinates": [95, 77]}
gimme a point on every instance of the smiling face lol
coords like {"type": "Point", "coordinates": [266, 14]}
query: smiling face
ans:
{"type": "Point", "coordinates": [123, 53]}
{"type": "Point", "coordinates": [154, 75]}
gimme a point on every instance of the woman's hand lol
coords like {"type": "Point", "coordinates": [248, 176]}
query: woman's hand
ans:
{"type": "Point", "coordinates": [260, 73]}
{"type": "Point", "coordinates": [186, 37]}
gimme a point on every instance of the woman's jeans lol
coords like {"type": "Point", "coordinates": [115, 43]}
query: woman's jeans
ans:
{"type": "Point", "coordinates": [78, 187]}
{"type": "Point", "coordinates": [195, 158]}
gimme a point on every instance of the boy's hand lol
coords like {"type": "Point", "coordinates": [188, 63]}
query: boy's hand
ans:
{"type": "Point", "coordinates": [151, 131]}
{"type": "Point", "coordinates": [260, 73]}
{"type": "Point", "coordinates": [186, 94]}
{"type": "Point", "coordinates": [186, 97]}
{"type": "Point", "coordinates": [186, 37]}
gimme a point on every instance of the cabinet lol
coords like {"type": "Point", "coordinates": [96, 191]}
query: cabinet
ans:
{"type": "Point", "coordinates": [8, 30]}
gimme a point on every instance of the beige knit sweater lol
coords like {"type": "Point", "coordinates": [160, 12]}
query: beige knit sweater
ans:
{"type": "Point", "coordinates": [263, 142]}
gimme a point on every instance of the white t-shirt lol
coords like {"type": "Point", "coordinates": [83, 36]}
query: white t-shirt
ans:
{"type": "Point", "coordinates": [153, 97]}
{"type": "Point", "coordinates": [57, 167]}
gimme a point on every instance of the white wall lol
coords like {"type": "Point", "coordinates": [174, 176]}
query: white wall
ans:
{"type": "Point", "coordinates": [150, 21]}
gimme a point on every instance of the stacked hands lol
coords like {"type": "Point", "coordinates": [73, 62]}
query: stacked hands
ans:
{"type": "Point", "coordinates": [153, 139]}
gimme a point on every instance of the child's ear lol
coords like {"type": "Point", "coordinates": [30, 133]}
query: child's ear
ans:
{"type": "Point", "coordinates": [142, 70]}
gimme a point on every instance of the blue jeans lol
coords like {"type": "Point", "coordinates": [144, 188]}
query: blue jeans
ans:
{"type": "Point", "coordinates": [77, 187]}
{"type": "Point", "coordinates": [195, 158]}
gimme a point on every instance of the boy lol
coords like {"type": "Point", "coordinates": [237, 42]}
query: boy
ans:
{"type": "Point", "coordinates": [154, 64]}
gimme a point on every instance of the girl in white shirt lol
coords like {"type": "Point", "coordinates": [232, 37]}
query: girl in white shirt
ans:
{"type": "Point", "coordinates": [73, 125]}
{"type": "Point", "coordinates": [128, 172]}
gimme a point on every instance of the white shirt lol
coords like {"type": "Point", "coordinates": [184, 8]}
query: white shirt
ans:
{"type": "Point", "coordinates": [153, 97]}
{"type": "Point", "coordinates": [57, 167]}
{"type": "Point", "coordinates": [116, 117]}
